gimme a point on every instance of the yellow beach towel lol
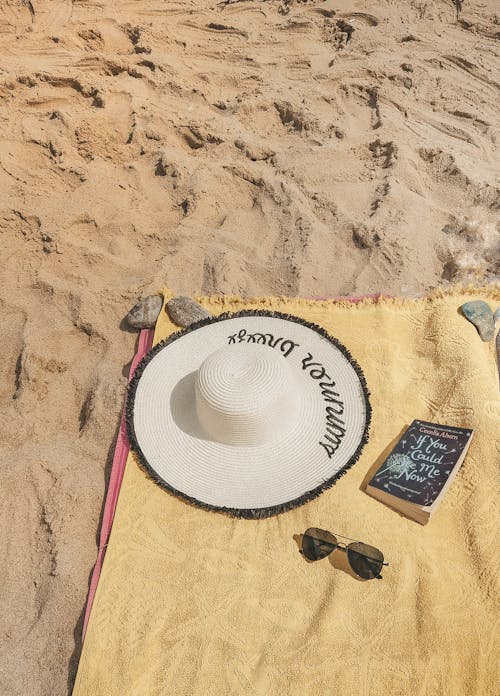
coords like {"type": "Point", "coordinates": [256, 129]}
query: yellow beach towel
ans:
{"type": "Point", "coordinates": [196, 603]}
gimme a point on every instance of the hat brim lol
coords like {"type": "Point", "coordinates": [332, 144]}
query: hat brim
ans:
{"type": "Point", "coordinates": [252, 482]}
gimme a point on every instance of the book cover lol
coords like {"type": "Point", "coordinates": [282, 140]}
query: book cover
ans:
{"type": "Point", "coordinates": [421, 463]}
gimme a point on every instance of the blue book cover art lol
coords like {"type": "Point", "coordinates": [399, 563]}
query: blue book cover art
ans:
{"type": "Point", "coordinates": [420, 464]}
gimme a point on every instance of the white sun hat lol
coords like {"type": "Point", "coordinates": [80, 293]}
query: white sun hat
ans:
{"type": "Point", "coordinates": [252, 413]}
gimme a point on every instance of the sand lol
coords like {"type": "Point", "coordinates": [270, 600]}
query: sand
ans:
{"type": "Point", "coordinates": [275, 147]}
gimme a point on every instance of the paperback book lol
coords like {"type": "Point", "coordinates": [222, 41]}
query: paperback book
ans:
{"type": "Point", "coordinates": [417, 473]}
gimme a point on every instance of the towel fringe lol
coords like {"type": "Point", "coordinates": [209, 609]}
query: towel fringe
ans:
{"type": "Point", "coordinates": [492, 290]}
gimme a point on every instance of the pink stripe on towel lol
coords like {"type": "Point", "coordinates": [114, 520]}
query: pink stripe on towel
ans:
{"type": "Point", "coordinates": [115, 480]}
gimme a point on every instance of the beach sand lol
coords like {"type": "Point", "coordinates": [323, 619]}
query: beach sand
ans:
{"type": "Point", "coordinates": [275, 147]}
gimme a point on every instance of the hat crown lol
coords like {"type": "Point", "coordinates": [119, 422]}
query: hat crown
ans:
{"type": "Point", "coordinates": [246, 395]}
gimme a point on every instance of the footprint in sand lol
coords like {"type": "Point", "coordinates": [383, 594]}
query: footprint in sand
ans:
{"type": "Point", "coordinates": [50, 14]}
{"type": "Point", "coordinates": [16, 16]}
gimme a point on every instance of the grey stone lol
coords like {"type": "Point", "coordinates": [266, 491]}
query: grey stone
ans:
{"type": "Point", "coordinates": [144, 314]}
{"type": "Point", "coordinates": [184, 311]}
{"type": "Point", "coordinates": [480, 314]}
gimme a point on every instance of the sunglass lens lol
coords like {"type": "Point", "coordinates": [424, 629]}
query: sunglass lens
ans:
{"type": "Point", "coordinates": [366, 561]}
{"type": "Point", "coordinates": [317, 543]}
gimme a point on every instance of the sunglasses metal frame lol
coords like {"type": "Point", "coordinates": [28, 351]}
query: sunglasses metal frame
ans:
{"type": "Point", "coordinates": [342, 547]}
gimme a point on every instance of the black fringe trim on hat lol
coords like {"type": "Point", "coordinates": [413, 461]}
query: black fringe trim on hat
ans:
{"type": "Point", "coordinates": [245, 513]}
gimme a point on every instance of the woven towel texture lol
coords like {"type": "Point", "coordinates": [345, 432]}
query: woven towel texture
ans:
{"type": "Point", "coordinates": [192, 602]}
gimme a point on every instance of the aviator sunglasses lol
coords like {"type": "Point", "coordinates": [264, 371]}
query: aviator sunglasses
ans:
{"type": "Point", "coordinates": [366, 561]}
